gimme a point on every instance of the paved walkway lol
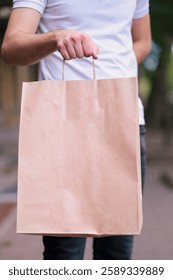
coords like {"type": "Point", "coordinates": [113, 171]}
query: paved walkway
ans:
{"type": "Point", "coordinates": [156, 239]}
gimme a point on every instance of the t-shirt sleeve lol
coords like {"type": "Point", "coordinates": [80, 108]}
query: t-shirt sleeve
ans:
{"type": "Point", "coordinates": [38, 5]}
{"type": "Point", "coordinates": [142, 9]}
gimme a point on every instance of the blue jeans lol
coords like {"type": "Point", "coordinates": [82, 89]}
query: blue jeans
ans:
{"type": "Point", "coordinates": [117, 247]}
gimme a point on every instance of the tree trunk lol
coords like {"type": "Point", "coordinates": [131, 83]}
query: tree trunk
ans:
{"type": "Point", "coordinates": [158, 107]}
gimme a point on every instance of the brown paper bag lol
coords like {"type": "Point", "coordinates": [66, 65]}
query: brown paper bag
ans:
{"type": "Point", "coordinates": [79, 160]}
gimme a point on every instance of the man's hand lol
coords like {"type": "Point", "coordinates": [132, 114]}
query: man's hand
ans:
{"type": "Point", "coordinates": [72, 44]}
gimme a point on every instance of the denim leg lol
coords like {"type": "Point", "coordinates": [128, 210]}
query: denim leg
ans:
{"type": "Point", "coordinates": [143, 154]}
{"type": "Point", "coordinates": [63, 248]}
{"type": "Point", "coordinates": [120, 247]}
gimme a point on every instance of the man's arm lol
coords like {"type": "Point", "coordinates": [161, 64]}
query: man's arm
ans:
{"type": "Point", "coordinates": [23, 46]}
{"type": "Point", "coordinates": [141, 35]}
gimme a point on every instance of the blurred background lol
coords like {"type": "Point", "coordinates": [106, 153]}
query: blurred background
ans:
{"type": "Point", "coordinates": [156, 92]}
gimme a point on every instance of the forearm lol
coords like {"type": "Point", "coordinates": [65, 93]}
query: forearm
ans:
{"type": "Point", "coordinates": [141, 35]}
{"type": "Point", "coordinates": [141, 50]}
{"type": "Point", "coordinates": [23, 48]}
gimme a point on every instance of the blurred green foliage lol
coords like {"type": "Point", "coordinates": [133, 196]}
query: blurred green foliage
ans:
{"type": "Point", "coordinates": [162, 21]}
{"type": "Point", "coordinates": [5, 3]}
{"type": "Point", "coordinates": [4, 14]}
{"type": "Point", "coordinates": [159, 65]}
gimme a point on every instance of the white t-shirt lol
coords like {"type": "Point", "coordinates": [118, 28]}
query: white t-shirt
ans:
{"type": "Point", "coordinates": [108, 22]}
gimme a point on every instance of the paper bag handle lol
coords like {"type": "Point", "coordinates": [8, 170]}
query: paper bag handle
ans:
{"type": "Point", "coordinates": [93, 65]}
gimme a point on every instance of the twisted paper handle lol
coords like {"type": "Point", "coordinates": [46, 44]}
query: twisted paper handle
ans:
{"type": "Point", "coordinates": [93, 64]}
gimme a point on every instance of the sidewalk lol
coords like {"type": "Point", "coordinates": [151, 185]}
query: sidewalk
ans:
{"type": "Point", "coordinates": [156, 239]}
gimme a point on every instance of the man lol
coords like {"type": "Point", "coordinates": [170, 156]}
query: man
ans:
{"type": "Point", "coordinates": [115, 32]}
